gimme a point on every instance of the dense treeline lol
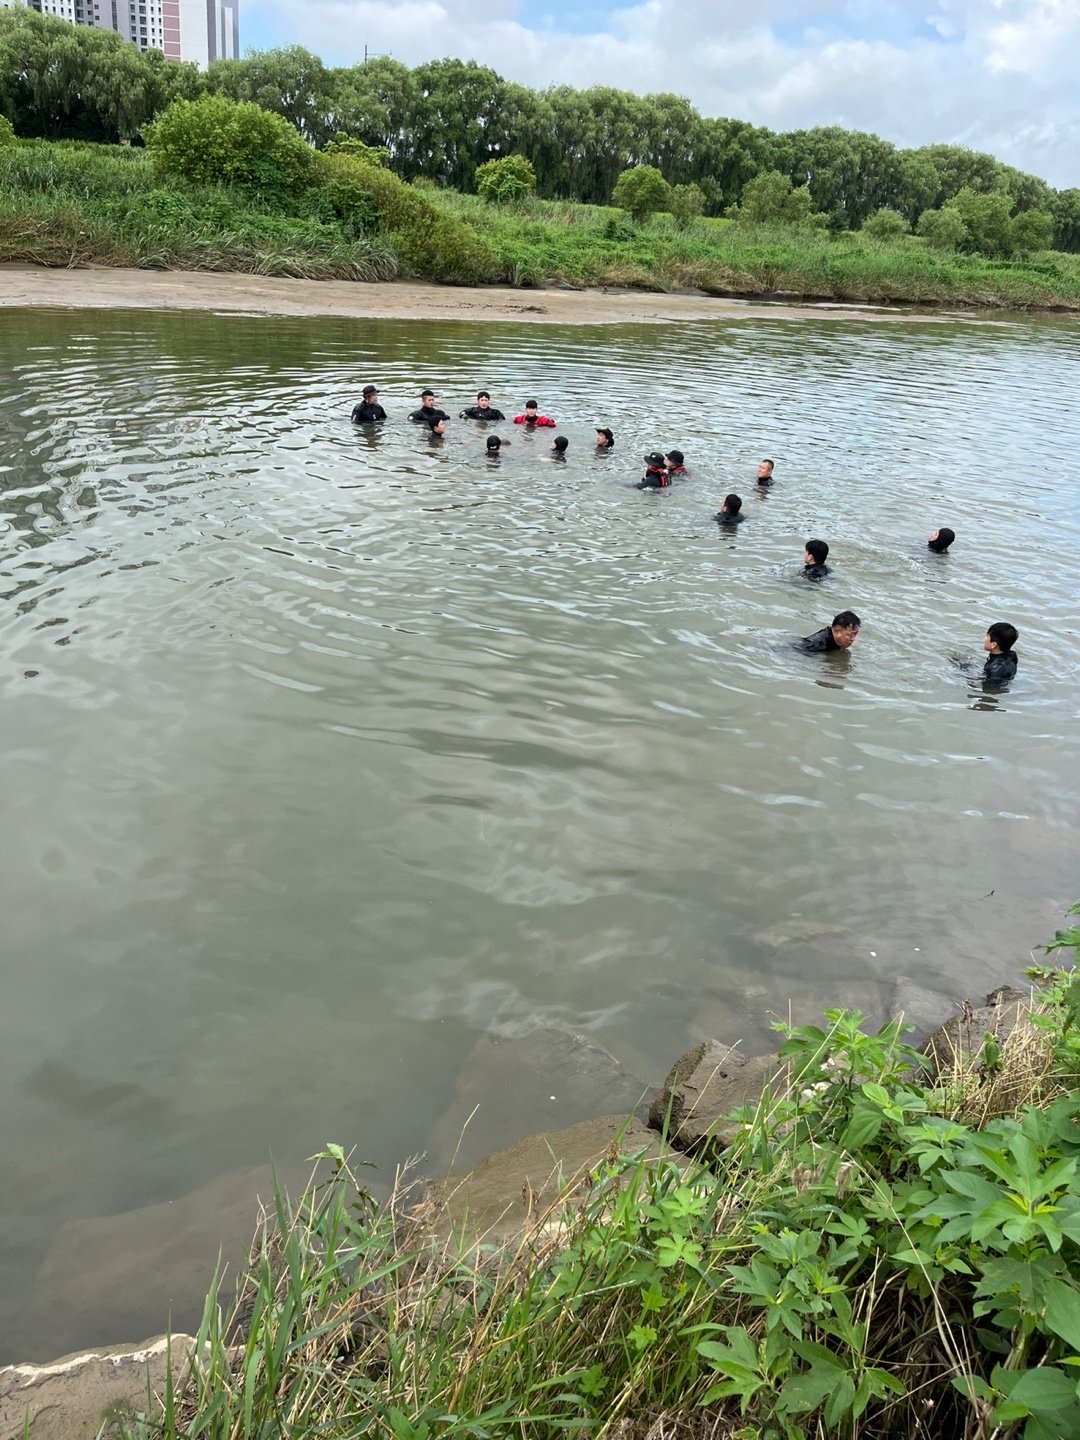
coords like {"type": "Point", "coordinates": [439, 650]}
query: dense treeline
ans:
{"type": "Point", "coordinates": [443, 119]}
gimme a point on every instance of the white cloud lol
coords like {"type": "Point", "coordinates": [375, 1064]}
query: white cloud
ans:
{"type": "Point", "coordinates": [997, 77]}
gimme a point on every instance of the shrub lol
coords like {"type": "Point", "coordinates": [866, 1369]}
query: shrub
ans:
{"type": "Point", "coordinates": [506, 180]}
{"type": "Point", "coordinates": [359, 150]}
{"type": "Point", "coordinates": [885, 224]}
{"type": "Point", "coordinates": [7, 132]}
{"type": "Point", "coordinates": [943, 229]}
{"type": "Point", "coordinates": [1031, 230]}
{"type": "Point", "coordinates": [687, 202]}
{"type": "Point", "coordinates": [641, 191]}
{"type": "Point", "coordinates": [214, 140]}
{"type": "Point", "coordinates": [771, 199]}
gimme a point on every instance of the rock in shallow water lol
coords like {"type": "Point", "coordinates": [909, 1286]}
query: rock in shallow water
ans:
{"type": "Point", "coordinates": [701, 1090]}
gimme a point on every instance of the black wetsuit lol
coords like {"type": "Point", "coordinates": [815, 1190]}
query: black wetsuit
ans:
{"type": "Point", "coordinates": [815, 572]}
{"type": "Point", "coordinates": [654, 480]}
{"type": "Point", "coordinates": [475, 413]}
{"type": "Point", "coordinates": [820, 640]}
{"type": "Point", "coordinates": [723, 518]}
{"type": "Point", "coordinates": [367, 414]}
{"type": "Point", "coordinates": [426, 414]}
{"type": "Point", "coordinates": [1000, 669]}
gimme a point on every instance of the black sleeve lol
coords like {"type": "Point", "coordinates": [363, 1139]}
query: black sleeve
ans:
{"type": "Point", "coordinates": [496, 415]}
{"type": "Point", "coordinates": [356, 416]}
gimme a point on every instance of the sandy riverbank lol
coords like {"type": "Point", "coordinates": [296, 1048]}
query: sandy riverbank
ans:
{"type": "Point", "coordinates": [258, 295]}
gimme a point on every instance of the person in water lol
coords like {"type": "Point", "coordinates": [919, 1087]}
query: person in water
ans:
{"type": "Point", "coordinates": [559, 447]}
{"type": "Point", "coordinates": [368, 411]}
{"type": "Point", "coordinates": [1001, 663]}
{"type": "Point", "coordinates": [940, 540]}
{"type": "Point", "coordinates": [764, 473]}
{"type": "Point", "coordinates": [656, 475]}
{"type": "Point", "coordinates": [814, 557]}
{"type": "Point", "coordinates": [605, 440]}
{"type": "Point", "coordinates": [428, 410]}
{"type": "Point", "coordinates": [675, 464]}
{"type": "Point", "coordinates": [495, 444]}
{"type": "Point", "coordinates": [482, 410]}
{"type": "Point", "coordinates": [730, 512]}
{"type": "Point", "coordinates": [437, 428]}
{"type": "Point", "coordinates": [531, 416]}
{"type": "Point", "coordinates": [840, 635]}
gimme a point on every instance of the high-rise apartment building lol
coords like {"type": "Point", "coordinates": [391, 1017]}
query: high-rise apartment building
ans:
{"type": "Point", "coordinates": [199, 30]}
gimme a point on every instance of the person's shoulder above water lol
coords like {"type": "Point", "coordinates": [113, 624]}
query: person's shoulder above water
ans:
{"type": "Point", "coordinates": [1001, 663]}
{"type": "Point", "coordinates": [428, 411]}
{"type": "Point", "coordinates": [368, 411]}
{"type": "Point", "coordinates": [482, 410]}
{"type": "Point", "coordinates": [730, 512]}
{"type": "Point", "coordinates": [840, 635]}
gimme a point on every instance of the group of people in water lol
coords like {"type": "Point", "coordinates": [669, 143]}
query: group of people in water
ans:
{"type": "Point", "coordinates": [662, 468]}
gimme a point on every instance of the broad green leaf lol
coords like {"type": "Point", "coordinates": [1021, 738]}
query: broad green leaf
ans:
{"type": "Point", "coordinates": [1063, 1311]}
{"type": "Point", "coordinates": [1044, 1391]}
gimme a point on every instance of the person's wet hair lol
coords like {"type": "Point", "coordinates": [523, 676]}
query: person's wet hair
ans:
{"type": "Point", "coordinates": [433, 426]}
{"type": "Point", "coordinates": [427, 394]}
{"type": "Point", "coordinates": [847, 620]}
{"type": "Point", "coordinates": [819, 550]}
{"type": "Point", "coordinates": [483, 395]}
{"type": "Point", "coordinates": [532, 404]}
{"type": "Point", "coordinates": [942, 540]}
{"type": "Point", "coordinates": [732, 504]}
{"type": "Point", "coordinates": [494, 444]}
{"type": "Point", "coordinates": [1003, 634]}
{"type": "Point", "coordinates": [559, 444]}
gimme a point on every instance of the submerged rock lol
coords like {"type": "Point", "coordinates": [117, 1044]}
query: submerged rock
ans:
{"type": "Point", "coordinates": [702, 1088]}
{"type": "Point", "coordinates": [957, 1042]}
{"type": "Point", "coordinates": [75, 1397]}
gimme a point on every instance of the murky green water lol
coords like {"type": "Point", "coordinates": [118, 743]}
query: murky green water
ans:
{"type": "Point", "coordinates": [328, 754]}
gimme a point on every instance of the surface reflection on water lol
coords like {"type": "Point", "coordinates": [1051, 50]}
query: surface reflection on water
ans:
{"type": "Point", "coordinates": [328, 752]}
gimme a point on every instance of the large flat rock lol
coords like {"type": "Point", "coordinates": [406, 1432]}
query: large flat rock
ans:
{"type": "Point", "coordinates": [701, 1090]}
{"type": "Point", "coordinates": [547, 1076]}
{"type": "Point", "coordinates": [956, 1044]}
{"type": "Point", "coordinates": [74, 1397]}
{"type": "Point", "coordinates": [509, 1191]}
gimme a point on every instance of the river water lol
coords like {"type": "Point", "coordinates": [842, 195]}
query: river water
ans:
{"type": "Point", "coordinates": [329, 754]}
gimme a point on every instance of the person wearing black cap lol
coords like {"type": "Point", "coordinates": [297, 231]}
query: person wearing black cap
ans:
{"type": "Point", "coordinates": [940, 540]}
{"type": "Point", "coordinates": [605, 440]}
{"type": "Point", "coordinates": [656, 475]}
{"type": "Point", "coordinates": [427, 411]}
{"type": "Point", "coordinates": [814, 557]}
{"type": "Point", "coordinates": [840, 635]}
{"type": "Point", "coordinates": [369, 411]}
{"type": "Point", "coordinates": [730, 512]}
{"type": "Point", "coordinates": [495, 444]}
{"type": "Point", "coordinates": [559, 447]}
{"type": "Point", "coordinates": [482, 410]}
{"type": "Point", "coordinates": [675, 466]}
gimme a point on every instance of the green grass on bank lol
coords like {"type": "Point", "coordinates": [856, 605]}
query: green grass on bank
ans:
{"type": "Point", "coordinates": [69, 204]}
{"type": "Point", "coordinates": [885, 1251]}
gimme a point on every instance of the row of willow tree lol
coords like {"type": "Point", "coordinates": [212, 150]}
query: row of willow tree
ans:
{"type": "Point", "coordinates": [443, 119]}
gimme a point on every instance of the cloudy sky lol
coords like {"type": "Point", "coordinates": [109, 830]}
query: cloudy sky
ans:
{"type": "Point", "coordinates": [998, 75]}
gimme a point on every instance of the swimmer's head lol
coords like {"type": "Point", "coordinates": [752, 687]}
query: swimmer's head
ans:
{"type": "Point", "coordinates": [559, 444]}
{"type": "Point", "coordinates": [764, 470]}
{"type": "Point", "coordinates": [941, 539]}
{"type": "Point", "coordinates": [845, 628]}
{"type": "Point", "coordinates": [531, 408]}
{"type": "Point", "coordinates": [427, 397]}
{"type": "Point", "coordinates": [494, 444]}
{"type": "Point", "coordinates": [1001, 638]}
{"type": "Point", "coordinates": [674, 457]}
{"type": "Point", "coordinates": [483, 399]}
{"type": "Point", "coordinates": [604, 438]}
{"type": "Point", "coordinates": [437, 427]}
{"type": "Point", "coordinates": [817, 552]}
{"type": "Point", "coordinates": [732, 504]}
{"type": "Point", "coordinates": [656, 460]}
{"type": "Point", "coordinates": [370, 391]}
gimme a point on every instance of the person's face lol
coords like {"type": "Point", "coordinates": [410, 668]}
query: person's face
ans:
{"type": "Point", "coordinates": [808, 559]}
{"type": "Point", "coordinates": [531, 412]}
{"type": "Point", "coordinates": [764, 470]}
{"type": "Point", "coordinates": [934, 537]}
{"type": "Point", "coordinates": [845, 635]}
{"type": "Point", "coordinates": [439, 429]}
{"type": "Point", "coordinates": [482, 402]}
{"type": "Point", "coordinates": [989, 645]}
{"type": "Point", "coordinates": [373, 397]}
{"type": "Point", "coordinates": [428, 398]}
{"type": "Point", "coordinates": [601, 440]}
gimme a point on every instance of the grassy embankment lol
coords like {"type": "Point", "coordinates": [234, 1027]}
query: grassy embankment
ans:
{"type": "Point", "coordinates": [68, 204]}
{"type": "Point", "coordinates": [883, 1252]}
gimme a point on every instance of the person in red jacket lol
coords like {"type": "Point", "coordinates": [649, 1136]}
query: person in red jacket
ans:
{"type": "Point", "coordinates": [532, 416]}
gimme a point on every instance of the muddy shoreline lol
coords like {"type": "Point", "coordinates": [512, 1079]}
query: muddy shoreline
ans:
{"type": "Point", "coordinates": [111, 289]}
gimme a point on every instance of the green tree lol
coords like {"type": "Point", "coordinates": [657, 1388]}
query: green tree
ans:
{"type": "Point", "coordinates": [641, 191]}
{"type": "Point", "coordinates": [687, 202]}
{"type": "Point", "coordinates": [988, 220]}
{"type": "Point", "coordinates": [771, 199]}
{"type": "Point", "coordinates": [943, 229]}
{"type": "Point", "coordinates": [732, 153]}
{"type": "Point", "coordinates": [376, 102]}
{"type": "Point", "coordinates": [1029, 231]}
{"type": "Point", "coordinates": [506, 180]}
{"type": "Point", "coordinates": [290, 82]}
{"type": "Point", "coordinates": [1066, 213]}
{"type": "Point", "coordinates": [214, 140]}
{"type": "Point", "coordinates": [457, 102]}
{"type": "Point", "coordinates": [885, 224]}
